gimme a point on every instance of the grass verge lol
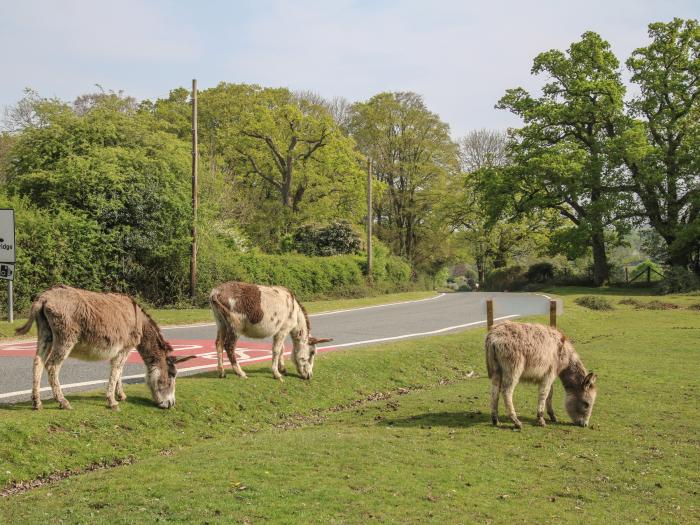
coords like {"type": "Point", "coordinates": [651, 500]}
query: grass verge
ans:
{"type": "Point", "coordinates": [393, 433]}
{"type": "Point", "coordinates": [178, 316]}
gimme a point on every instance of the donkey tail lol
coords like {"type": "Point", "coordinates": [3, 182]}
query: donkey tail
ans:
{"type": "Point", "coordinates": [33, 312]}
{"type": "Point", "coordinates": [492, 365]}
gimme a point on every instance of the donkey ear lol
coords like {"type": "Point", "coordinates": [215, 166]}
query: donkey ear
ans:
{"type": "Point", "coordinates": [183, 358]}
{"type": "Point", "coordinates": [314, 341]}
{"type": "Point", "coordinates": [589, 380]}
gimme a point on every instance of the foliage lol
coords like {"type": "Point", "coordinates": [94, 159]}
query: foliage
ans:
{"type": "Point", "coordinates": [540, 272]}
{"type": "Point", "coordinates": [594, 302]}
{"type": "Point", "coordinates": [677, 280]}
{"type": "Point", "coordinates": [127, 178]}
{"type": "Point", "coordinates": [413, 158]}
{"type": "Point", "coordinates": [661, 145]}
{"type": "Point", "coordinates": [508, 279]}
{"type": "Point", "coordinates": [337, 238]}
{"type": "Point", "coordinates": [565, 154]}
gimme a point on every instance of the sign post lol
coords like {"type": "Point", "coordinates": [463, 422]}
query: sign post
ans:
{"type": "Point", "coordinates": [7, 255]}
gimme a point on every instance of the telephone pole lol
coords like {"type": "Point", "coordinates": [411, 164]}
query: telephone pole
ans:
{"type": "Point", "coordinates": [369, 220]}
{"type": "Point", "coordinates": [195, 192]}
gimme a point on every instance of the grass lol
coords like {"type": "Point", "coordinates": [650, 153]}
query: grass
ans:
{"type": "Point", "coordinates": [180, 316]}
{"type": "Point", "coordinates": [394, 433]}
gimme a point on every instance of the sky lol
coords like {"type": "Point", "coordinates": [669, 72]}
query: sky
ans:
{"type": "Point", "coordinates": [460, 55]}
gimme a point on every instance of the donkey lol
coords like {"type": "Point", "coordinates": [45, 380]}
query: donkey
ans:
{"type": "Point", "coordinates": [258, 312]}
{"type": "Point", "coordinates": [97, 327]}
{"type": "Point", "coordinates": [538, 354]}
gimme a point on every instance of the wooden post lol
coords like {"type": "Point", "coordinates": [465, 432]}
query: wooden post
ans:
{"type": "Point", "coordinates": [195, 192]}
{"type": "Point", "coordinates": [553, 313]}
{"type": "Point", "coordinates": [369, 220]}
{"type": "Point", "coordinates": [489, 313]}
{"type": "Point", "coordinates": [648, 274]}
{"type": "Point", "coordinates": [627, 275]}
{"type": "Point", "coordinates": [10, 305]}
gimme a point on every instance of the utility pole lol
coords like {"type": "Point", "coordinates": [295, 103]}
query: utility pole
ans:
{"type": "Point", "coordinates": [195, 192]}
{"type": "Point", "coordinates": [369, 220]}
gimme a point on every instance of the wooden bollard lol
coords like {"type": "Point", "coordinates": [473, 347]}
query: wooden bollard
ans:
{"type": "Point", "coordinates": [489, 313]}
{"type": "Point", "coordinates": [553, 313]}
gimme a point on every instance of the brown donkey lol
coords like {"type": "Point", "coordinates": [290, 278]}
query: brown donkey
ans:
{"type": "Point", "coordinates": [258, 312]}
{"type": "Point", "coordinates": [98, 327]}
{"type": "Point", "coordinates": [538, 354]}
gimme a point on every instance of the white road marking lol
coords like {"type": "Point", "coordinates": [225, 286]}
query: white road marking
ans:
{"type": "Point", "coordinates": [247, 359]}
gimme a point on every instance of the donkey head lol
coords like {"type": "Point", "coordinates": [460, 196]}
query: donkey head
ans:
{"type": "Point", "coordinates": [304, 354]}
{"type": "Point", "coordinates": [160, 378]}
{"type": "Point", "coordinates": [579, 400]}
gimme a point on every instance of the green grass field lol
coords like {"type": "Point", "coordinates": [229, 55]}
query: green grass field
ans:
{"type": "Point", "coordinates": [180, 316]}
{"type": "Point", "coordinates": [396, 433]}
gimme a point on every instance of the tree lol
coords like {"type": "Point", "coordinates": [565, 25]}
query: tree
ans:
{"type": "Point", "coordinates": [661, 147]}
{"type": "Point", "coordinates": [564, 154]}
{"type": "Point", "coordinates": [413, 157]}
{"type": "Point", "coordinates": [483, 148]}
{"type": "Point", "coordinates": [119, 169]}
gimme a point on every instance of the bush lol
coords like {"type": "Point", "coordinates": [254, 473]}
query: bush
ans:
{"type": "Point", "coordinates": [508, 279]}
{"type": "Point", "coordinates": [678, 280]}
{"type": "Point", "coordinates": [335, 239]}
{"type": "Point", "coordinates": [594, 302]}
{"type": "Point", "coordinates": [540, 272]}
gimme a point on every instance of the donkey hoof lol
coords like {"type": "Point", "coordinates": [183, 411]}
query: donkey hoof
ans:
{"type": "Point", "coordinates": [36, 406]}
{"type": "Point", "coordinates": [517, 425]}
{"type": "Point", "coordinates": [65, 405]}
{"type": "Point", "coordinates": [552, 418]}
{"type": "Point", "coordinates": [541, 422]}
{"type": "Point", "coordinates": [121, 397]}
{"type": "Point", "coordinates": [114, 407]}
{"type": "Point", "coordinates": [494, 421]}
{"type": "Point", "coordinates": [222, 375]}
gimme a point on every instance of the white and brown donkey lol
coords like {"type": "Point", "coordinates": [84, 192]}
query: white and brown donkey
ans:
{"type": "Point", "coordinates": [259, 312]}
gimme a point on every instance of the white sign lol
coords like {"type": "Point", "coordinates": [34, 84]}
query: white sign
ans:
{"type": "Point", "coordinates": [7, 271]}
{"type": "Point", "coordinates": [7, 236]}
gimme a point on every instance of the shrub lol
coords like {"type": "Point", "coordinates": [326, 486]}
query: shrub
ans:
{"type": "Point", "coordinates": [540, 272]}
{"type": "Point", "coordinates": [335, 239]}
{"type": "Point", "coordinates": [594, 302]}
{"type": "Point", "coordinates": [506, 279]}
{"type": "Point", "coordinates": [678, 280]}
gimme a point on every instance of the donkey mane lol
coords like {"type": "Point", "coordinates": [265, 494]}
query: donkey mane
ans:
{"type": "Point", "coordinates": [303, 310]}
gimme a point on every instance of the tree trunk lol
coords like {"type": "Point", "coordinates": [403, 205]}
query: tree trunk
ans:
{"type": "Point", "coordinates": [600, 259]}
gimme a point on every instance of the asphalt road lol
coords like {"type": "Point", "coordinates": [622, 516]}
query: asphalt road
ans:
{"type": "Point", "coordinates": [369, 325]}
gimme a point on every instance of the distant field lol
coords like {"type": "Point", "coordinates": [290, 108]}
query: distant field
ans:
{"type": "Point", "coordinates": [173, 316]}
{"type": "Point", "coordinates": [395, 433]}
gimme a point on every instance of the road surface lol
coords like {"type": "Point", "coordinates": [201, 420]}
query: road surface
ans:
{"type": "Point", "coordinates": [350, 328]}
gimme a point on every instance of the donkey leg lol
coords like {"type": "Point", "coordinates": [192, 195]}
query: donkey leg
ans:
{"type": "Point", "coordinates": [281, 367]}
{"type": "Point", "coordinates": [544, 391]}
{"type": "Point", "coordinates": [220, 335]}
{"type": "Point", "coordinates": [230, 347]}
{"type": "Point", "coordinates": [495, 390]}
{"type": "Point", "coordinates": [36, 384]}
{"type": "Point", "coordinates": [53, 368]}
{"type": "Point", "coordinates": [508, 384]}
{"type": "Point", "coordinates": [550, 408]}
{"type": "Point", "coordinates": [115, 378]}
{"type": "Point", "coordinates": [277, 348]}
{"type": "Point", "coordinates": [43, 350]}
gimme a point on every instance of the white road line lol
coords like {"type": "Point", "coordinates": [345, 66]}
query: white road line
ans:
{"type": "Point", "coordinates": [267, 357]}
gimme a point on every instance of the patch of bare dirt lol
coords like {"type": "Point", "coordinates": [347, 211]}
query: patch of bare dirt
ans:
{"type": "Point", "coordinates": [20, 487]}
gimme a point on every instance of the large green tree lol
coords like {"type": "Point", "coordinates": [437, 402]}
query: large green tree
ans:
{"type": "Point", "coordinates": [564, 154]}
{"type": "Point", "coordinates": [115, 167]}
{"type": "Point", "coordinates": [413, 157]}
{"type": "Point", "coordinates": [661, 146]}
